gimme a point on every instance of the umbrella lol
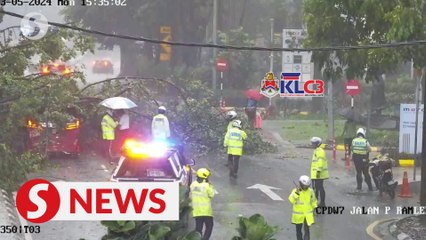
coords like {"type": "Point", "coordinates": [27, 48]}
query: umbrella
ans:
{"type": "Point", "coordinates": [253, 94]}
{"type": "Point", "coordinates": [118, 103]}
{"type": "Point", "coordinates": [349, 113]}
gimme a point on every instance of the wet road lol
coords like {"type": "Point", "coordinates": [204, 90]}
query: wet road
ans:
{"type": "Point", "coordinates": [242, 196]}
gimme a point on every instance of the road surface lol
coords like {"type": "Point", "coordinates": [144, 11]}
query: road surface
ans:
{"type": "Point", "coordinates": [248, 195]}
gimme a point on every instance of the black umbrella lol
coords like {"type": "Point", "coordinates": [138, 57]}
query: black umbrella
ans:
{"type": "Point", "coordinates": [351, 114]}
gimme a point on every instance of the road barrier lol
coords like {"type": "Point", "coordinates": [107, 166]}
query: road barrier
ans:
{"type": "Point", "coordinates": [405, 188]}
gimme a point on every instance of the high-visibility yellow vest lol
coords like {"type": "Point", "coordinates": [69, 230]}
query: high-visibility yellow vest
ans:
{"type": "Point", "coordinates": [229, 126]}
{"type": "Point", "coordinates": [108, 127]}
{"type": "Point", "coordinates": [304, 205]}
{"type": "Point", "coordinates": [319, 164]}
{"type": "Point", "coordinates": [234, 141]}
{"type": "Point", "coordinates": [201, 198]}
{"type": "Point", "coordinates": [359, 146]}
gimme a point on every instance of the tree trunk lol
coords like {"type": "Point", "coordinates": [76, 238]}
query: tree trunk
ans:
{"type": "Point", "coordinates": [129, 59]}
{"type": "Point", "coordinates": [378, 99]}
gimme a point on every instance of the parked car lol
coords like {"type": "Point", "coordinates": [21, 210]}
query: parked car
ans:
{"type": "Point", "coordinates": [64, 140]}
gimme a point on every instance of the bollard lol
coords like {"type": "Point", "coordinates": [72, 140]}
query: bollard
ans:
{"type": "Point", "coordinates": [347, 163]}
{"type": "Point", "coordinates": [334, 150]}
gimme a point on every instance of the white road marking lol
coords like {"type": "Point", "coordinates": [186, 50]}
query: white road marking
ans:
{"type": "Point", "coordinates": [268, 191]}
{"type": "Point", "coordinates": [23, 222]}
{"type": "Point", "coordinates": [104, 168]}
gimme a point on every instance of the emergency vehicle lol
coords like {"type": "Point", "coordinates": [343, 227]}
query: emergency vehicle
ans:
{"type": "Point", "coordinates": [149, 161]}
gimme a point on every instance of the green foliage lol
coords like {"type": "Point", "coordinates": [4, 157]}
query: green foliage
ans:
{"type": "Point", "coordinates": [242, 64]}
{"type": "Point", "coordinates": [14, 167]}
{"type": "Point", "coordinates": [33, 96]}
{"type": "Point", "coordinates": [136, 230]}
{"type": "Point", "coordinates": [255, 228]}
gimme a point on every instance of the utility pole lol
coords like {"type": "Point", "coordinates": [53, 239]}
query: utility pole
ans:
{"type": "Point", "coordinates": [423, 170]}
{"type": "Point", "coordinates": [417, 124]}
{"type": "Point", "coordinates": [330, 110]}
{"type": "Point", "coordinates": [271, 57]}
{"type": "Point", "coordinates": [214, 37]}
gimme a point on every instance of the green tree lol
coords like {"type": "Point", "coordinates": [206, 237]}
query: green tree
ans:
{"type": "Point", "coordinates": [187, 19]}
{"type": "Point", "coordinates": [32, 96]}
{"type": "Point", "coordinates": [345, 22]}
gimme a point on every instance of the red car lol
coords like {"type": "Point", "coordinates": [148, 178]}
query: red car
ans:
{"type": "Point", "coordinates": [60, 140]}
{"type": "Point", "coordinates": [57, 67]}
{"type": "Point", "coordinates": [103, 66]}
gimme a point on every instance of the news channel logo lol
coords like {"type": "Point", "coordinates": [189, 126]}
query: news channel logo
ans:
{"type": "Point", "coordinates": [34, 26]}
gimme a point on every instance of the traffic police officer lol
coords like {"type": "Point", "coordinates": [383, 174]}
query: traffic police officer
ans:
{"type": "Point", "coordinates": [108, 125]}
{"type": "Point", "coordinates": [360, 149]}
{"type": "Point", "coordinates": [234, 141]}
{"type": "Point", "coordinates": [304, 202]}
{"type": "Point", "coordinates": [160, 125]}
{"type": "Point", "coordinates": [319, 169]}
{"type": "Point", "coordinates": [202, 193]}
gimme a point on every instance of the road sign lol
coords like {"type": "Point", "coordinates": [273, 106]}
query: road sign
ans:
{"type": "Point", "coordinates": [352, 87]}
{"type": "Point", "coordinates": [166, 54]}
{"type": "Point", "coordinates": [221, 64]}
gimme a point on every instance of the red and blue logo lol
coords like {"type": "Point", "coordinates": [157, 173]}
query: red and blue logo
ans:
{"type": "Point", "coordinates": [292, 86]}
{"type": "Point", "coordinates": [270, 86]}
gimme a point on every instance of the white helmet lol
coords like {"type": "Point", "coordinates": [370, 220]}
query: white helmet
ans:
{"type": "Point", "coordinates": [360, 131]}
{"type": "Point", "coordinates": [236, 123]}
{"type": "Point", "coordinates": [316, 141]}
{"type": "Point", "coordinates": [305, 180]}
{"type": "Point", "coordinates": [162, 110]}
{"type": "Point", "coordinates": [231, 115]}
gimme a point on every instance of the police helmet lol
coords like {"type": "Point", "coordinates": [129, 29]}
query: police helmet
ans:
{"type": "Point", "coordinates": [237, 123]}
{"type": "Point", "coordinates": [360, 131]}
{"type": "Point", "coordinates": [305, 180]}
{"type": "Point", "coordinates": [203, 173]}
{"type": "Point", "coordinates": [316, 141]}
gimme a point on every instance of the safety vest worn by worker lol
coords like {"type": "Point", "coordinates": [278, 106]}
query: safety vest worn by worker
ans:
{"type": "Point", "coordinates": [319, 164]}
{"type": "Point", "coordinates": [234, 141]}
{"type": "Point", "coordinates": [359, 146]}
{"type": "Point", "coordinates": [201, 196]}
{"type": "Point", "coordinates": [108, 127]}
{"type": "Point", "coordinates": [304, 205]}
{"type": "Point", "coordinates": [229, 126]}
{"type": "Point", "coordinates": [160, 127]}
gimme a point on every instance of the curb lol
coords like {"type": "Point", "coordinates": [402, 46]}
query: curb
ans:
{"type": "Point", "coordinates": [13, 219]}
{"type": "Point", "coordinates": [370, 228]}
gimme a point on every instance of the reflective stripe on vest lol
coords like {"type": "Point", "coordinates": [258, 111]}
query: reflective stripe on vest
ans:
{"type": "Point", "coordinates": [359, 146]}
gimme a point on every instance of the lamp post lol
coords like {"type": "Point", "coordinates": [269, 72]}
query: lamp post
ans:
{"type": "Point", "coordinates": [271, 57]}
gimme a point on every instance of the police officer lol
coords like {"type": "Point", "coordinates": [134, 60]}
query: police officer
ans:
{"type": "Point", "coordinates": [304, 203]}
{"type": "Point", "coordinates": [230, 116]}
{"type": "Point", "coordinates": [108, 125]}
{"type": "Point", "coordinates": [160, 128]}
{"type": "Point", "coordinates": [202, 193]}
{"type": "Point", "coordinates": [360, 149]}
{"type": "Point", "coordinates": [319, 169]}
{"type": "Point", "coordinates": [234, 141]}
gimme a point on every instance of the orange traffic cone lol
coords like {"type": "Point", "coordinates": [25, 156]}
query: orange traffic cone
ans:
{"type": "Point", "coordinates": [405, 188]}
